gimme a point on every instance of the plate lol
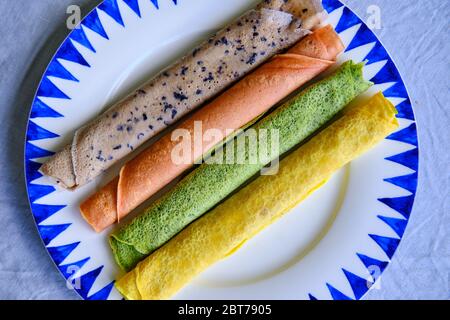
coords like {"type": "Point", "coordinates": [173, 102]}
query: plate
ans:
{"type": "Point", "coordinates": [335, 245]}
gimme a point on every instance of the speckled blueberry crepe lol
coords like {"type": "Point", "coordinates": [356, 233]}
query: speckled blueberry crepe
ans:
{"type": "Point", "coordinates": [227, 227]}
{"type": "Point", "coordinates": [233, 52]}
{"type": "Point", "coordinates": [234, 109]}
{"type": "Point", "coordinates": [211, 183]}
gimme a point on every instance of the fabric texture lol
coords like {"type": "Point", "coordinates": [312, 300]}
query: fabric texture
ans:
{"type": "Point", "coordinates": [416, 33]}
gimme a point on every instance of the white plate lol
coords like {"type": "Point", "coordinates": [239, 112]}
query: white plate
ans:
{"type": "Point", "coordinates": [332, 246]}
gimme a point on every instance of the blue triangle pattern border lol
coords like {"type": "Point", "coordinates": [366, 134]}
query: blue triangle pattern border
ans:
{"type": "Point", "coordinates": [50, 232]}
{"type": "Point", "coordinates": [387, 244]}
{"type": "Point", "coordinates": [398, 225]}
{"type": "Point", "coordinates": [49, 90]}
{"type": "Point", "coordinates": [32, 170]}
{"type": "Point", "coordinates": [408, 182]}
{"type": "Point", "coordinates": [331, 5]}
{"type": "Point", "coordinates": [103, 293]}
{"type": "Point", "coordinates": [359, 285]}
{"type": "Point", "coordinates": [409, 159]}
{"type": "Point", "coordinates": [78, 35]}
{"type": "Point", "coordinates": [155, 3]}
{"type": "Point", "coordinates": [56, 69]}
{"type": "Point", "coordinates": [60, 253]}
{"type": "Point", "coordinates": [402, 205]}
{"type": "Point", "coordinates": [34, 152]}
{"type": "Point", "coordinates": [36, 132]}
{"type": "Point", "coordinates": [311, 297]}
{"type": "Point", "coordinates": [69, 52]}
{"type": "Point", "coordinates": [39, 109]}
{"type": "Point", "coordinates": [134, 5]}
{"type": "Point", "coordinates": [363, 36]}
{"type": "Point", "coordinates": [336, 294]}
{"type": "Point", "coordinates": [405, 110]}
{"type": "Point", "coordinates": [407, 135]}
{"type": "Point", "coordinates": [92, 22]}
{"type": "Point", "coordinates": [68, 270]}
{"type": "Point", "coordinates": [347, 21]}
{"type": "Point", "coordinates": [111, 8]}
{"type": "Point", "coordinates": [86, 281]}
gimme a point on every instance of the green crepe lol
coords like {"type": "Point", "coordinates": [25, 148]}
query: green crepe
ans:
{"type": "Point", "coordinates": [209, 184]}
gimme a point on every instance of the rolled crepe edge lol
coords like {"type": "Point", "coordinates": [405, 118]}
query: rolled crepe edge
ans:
{"type": "Point", "coordinates": [128, 287]}
{"type": "Point", "coordinates": [58, 160]}
{"type": "Point", "coordinates": [120, 246]}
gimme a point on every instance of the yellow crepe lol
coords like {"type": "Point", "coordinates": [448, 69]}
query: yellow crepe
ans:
{"type": "Point", "coordinates": [224, 229]}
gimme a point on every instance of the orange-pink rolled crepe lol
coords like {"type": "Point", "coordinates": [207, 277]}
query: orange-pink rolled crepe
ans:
{"type": "Point", "coordinates": [254, 95]}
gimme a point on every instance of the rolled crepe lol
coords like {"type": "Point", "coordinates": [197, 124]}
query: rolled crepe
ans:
{"type": "Point", "coordinates": [224, 229]}
{"type": "Point", "coordinates": [210, 183]}
{"type": "Point", "coordinates": [252, 96]}
{"type": "Point", "coordinates": [214, 65]}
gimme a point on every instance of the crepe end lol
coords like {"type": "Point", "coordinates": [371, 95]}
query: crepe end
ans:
{"type": "Point", "coordinates": [126, 256]}
{"type": "Point", "coordinates": [127, 287]}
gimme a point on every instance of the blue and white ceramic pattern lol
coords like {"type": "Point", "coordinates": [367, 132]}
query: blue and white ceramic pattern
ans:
{"type": "Point", "coordinates": [335, 245]}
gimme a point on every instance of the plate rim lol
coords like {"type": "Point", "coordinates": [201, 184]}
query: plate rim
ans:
{"type": "Point", "coordinates": [332, 3]}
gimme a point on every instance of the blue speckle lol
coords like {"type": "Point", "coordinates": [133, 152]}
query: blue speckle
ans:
{"type": "Point", "coordinates": [99, 156]}
{"type": "Point", "coordinates": [180, 96]}
{"type": "Point", "coordinates": [222, 40]}
{"type": "Point", "coordinates": [252, 59]}
{"type": "Point", "coordinates": [167, 106]}
{"type": "Point", "coordinates": [209, 78]}
{"type": "Point", "coordinates": [184, 70]}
